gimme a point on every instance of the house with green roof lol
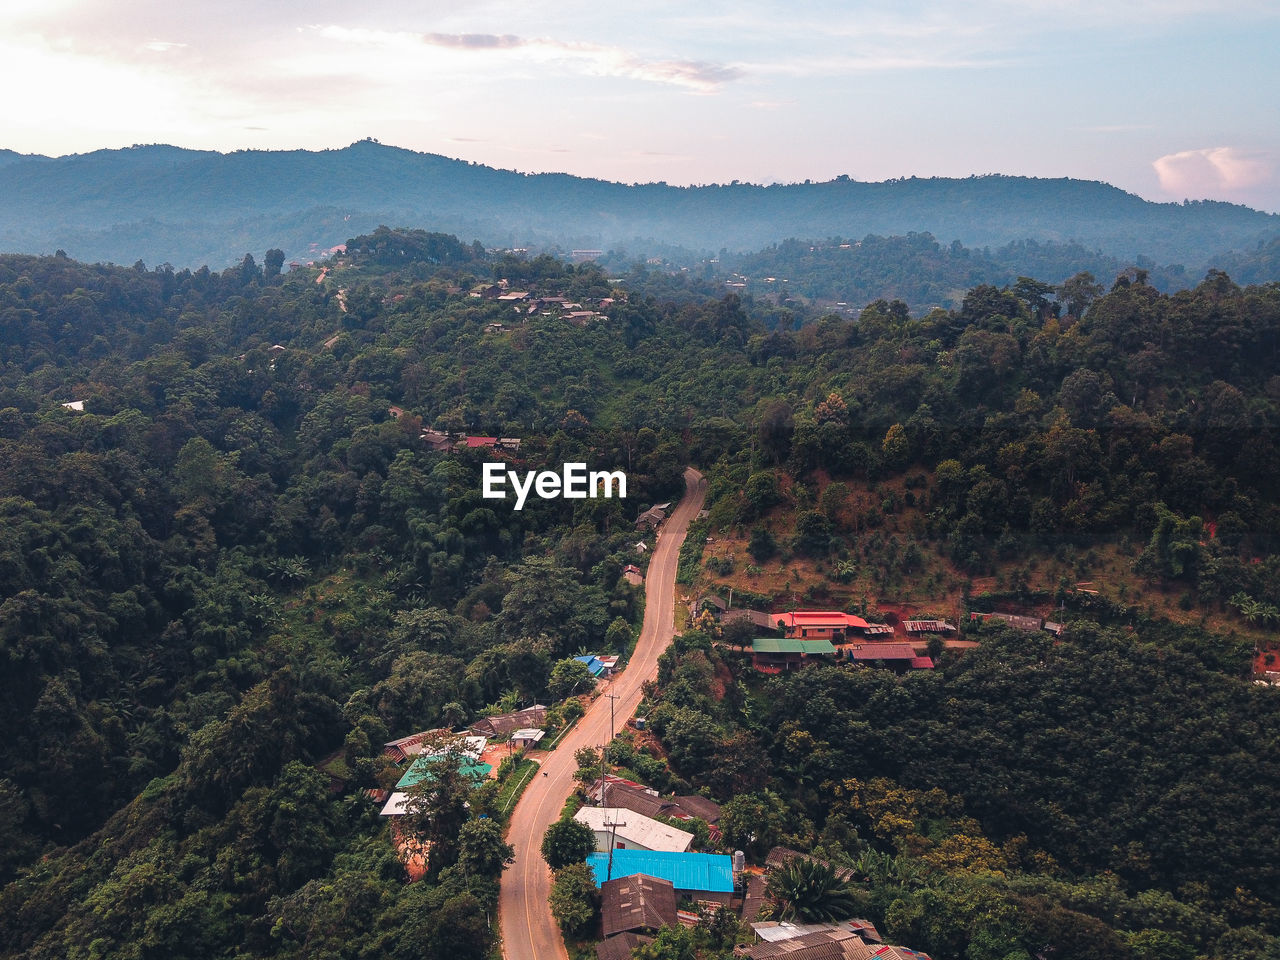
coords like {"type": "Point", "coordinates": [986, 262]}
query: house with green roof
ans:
{"type": "Point", "coordinates": [774, 655]}
{"type": "Point", "coordinates": [423, 770]}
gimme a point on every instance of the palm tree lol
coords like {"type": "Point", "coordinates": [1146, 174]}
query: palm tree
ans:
{"type": "Point", "coordinates": [809, 890]}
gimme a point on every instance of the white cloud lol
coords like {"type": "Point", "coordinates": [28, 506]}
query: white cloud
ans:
{"type": "Point", "coordinates": [1212, 171]}
{"type": "Point", "coordinates": [592, 59]}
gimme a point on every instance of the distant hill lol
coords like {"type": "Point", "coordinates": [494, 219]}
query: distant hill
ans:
{"type": "Point", "coordinates": [189, 207]}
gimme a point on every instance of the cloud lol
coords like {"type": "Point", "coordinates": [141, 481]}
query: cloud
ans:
{"type": "Point", "coordinates": [1212, 170]}
{"type": "Point", "coordinates": [473, 41]}
{"type": "Point", "coordinates": [162, 46]}
{"type": "Point", "coordinates": [593, 59]}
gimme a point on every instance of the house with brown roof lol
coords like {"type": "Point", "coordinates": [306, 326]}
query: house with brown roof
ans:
{"type": "Point", "coordinates": [638, 903]}
{"type": "Point", "coordinates": [503, 725]}
{"type": "Point", "coordinates": [630, 795]}
{"type": "Point", "coordinates": [652, 518]}
{"type": "Point", "coordinates": [620, 946]}
{"type": "Point", "coordinates": [899, 657]}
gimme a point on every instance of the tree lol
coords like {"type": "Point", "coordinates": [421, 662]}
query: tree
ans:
{"type": "Point", "coordinates": [809, 891]}
{"type": "Point", "coordinates": [777, 425]}
{"type": "Point", "coordinates": [1078, 292]}
{"type": "Point", "coordinates": [574, 900]}
{"type": "Point", "coordinates": [762, 545]}
{"type": "Point", "coordinates": [272, 262]}
{"type": "Point", "coordinates": [567, 842]}
{"type": "Point", "coordinates": [482, 849]}
{"type": "Point", "coordinates": [437, 810]}
{"type": "Point", "coordinates": [569, 676]}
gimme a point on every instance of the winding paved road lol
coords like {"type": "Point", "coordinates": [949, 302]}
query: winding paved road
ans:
{"type": "Point", "coordinates": [529, 932]}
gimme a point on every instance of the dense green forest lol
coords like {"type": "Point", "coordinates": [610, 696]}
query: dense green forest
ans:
{"type": "Point", "coordinates": [239, 570]}
{"type": "Point", "coordinates": [187, 207]}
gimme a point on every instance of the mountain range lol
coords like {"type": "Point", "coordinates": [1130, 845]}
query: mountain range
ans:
{"type": "Point", "coordinates": [162, 203]}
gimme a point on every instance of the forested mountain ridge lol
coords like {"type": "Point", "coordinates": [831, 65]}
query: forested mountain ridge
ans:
{"type": "Point", "coordinates": [193, 207]}
{"type": "Point", "coordinates": [238, 564]}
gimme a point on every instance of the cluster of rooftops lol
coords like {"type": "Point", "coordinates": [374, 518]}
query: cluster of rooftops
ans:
{"type": "Point", "coordinates": [641, 891]}
{"type": "Point", "coordinates": [810, 634]}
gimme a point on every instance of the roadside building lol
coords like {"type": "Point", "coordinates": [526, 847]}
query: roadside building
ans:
{"type": "Point", "coordinates": [699, 876]}
{"type": "Point", "coordinates": [619, 947]}
{"type": "Point", "coordinates": [526, 737]}
{"type": "Point", "coordinates": [637, 904]}
{"type": "Point", "coordinates": [502, 725]}
{"type": "Point", "coordinates": [627, 830]}
{"type": "Point", "coordinates": [630, 795]}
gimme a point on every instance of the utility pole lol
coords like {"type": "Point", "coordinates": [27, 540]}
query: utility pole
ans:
{"type": "Point", "coordinates": [602, 780]}
{"type": "Point", "coordinates": [612, 697]}
{"type": "Point", "coordinates": [613, 837]}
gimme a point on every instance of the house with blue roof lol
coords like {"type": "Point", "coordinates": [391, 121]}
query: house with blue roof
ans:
{"type": "Point", "coordinates": [699, 876]}
{"type": "Point", "coordinates": [594, 664]}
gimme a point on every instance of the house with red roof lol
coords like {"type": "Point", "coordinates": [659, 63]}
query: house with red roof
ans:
{"type": "Point", "coordinates": [827, 625]}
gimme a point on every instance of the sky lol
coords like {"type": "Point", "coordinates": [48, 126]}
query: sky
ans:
{"type": "Point", "coordinates": [1170, 99]}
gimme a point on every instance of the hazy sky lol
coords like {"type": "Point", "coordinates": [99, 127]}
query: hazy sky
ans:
{"type": "Point", "coordinates": [1169, 99]}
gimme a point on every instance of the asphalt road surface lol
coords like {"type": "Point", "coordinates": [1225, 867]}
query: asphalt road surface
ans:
{"type": "Point", "coordinates": [529, 932]}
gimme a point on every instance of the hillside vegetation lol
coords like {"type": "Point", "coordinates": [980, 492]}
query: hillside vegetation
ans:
{"type": "Point", "coordinates": [240, 569]}
{"type": "Point", "coordinates": [186, 207]}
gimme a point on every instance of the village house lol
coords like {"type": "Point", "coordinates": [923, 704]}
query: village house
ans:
{"type": "Point", "coordinates": [637, 904]}
{"type": "Point", "coordinates": [501, 726]}
{"type": "Point", "coordinates": [1014, 620]}
{"type": "Point", "coordinates": [402, 749]}
{"type": "Point", "coordinates": [652, 518]}
{"type": "Point", "coordinates": [644, 800]}
{"type": "Point", "coordinates": [828, 625]}
{"type": "Point", "coordinates": [698, 876]}
{"type": "Point", "coordinates": [774, 655]}
{"type": "Point", "coordinates": [526, 737]}
{"type": "Point", "coordinates": [813, 941]}
{"type": "Point", "coordinates": [898, 657]}
{"type": "Point", "coordinates": [620, 946]}
{"type": "Point", "coordinates": [928, 626]}
{"type": "Point", "coordinates": [627, 830]}
{"type": "Point", "coordinates": [757, 618]}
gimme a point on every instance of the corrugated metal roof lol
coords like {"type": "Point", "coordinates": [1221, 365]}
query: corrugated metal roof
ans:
{"type": "Point", "coordinates": [424, 769]}
{"type": "Point", "coordinates": [774, 645]}
{"type": "Point", "coordinates": [712, 872]}
{"type": "Point", "coordinates": [634, 828]}
{"type": "Point", "coordinates": [819, 618]}
{"type": "Point", "coordinates": [883, 651]}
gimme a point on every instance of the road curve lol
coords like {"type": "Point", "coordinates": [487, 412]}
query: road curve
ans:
{"type": "Point", "coordinates": [529, 932]}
